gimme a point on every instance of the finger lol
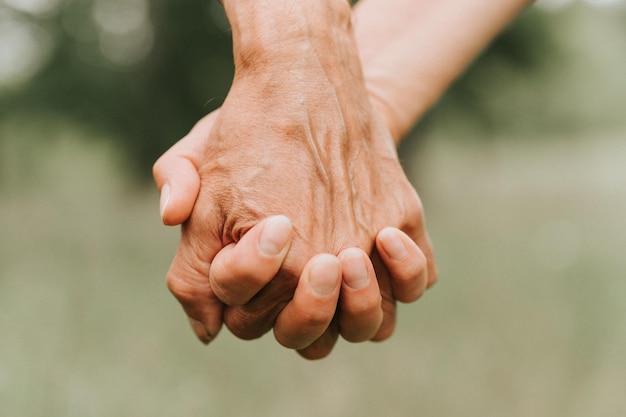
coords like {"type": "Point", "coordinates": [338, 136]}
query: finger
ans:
{"type": "Point", "coordinates": [307, 316]}
{"type": "Point", "coordinates": [388, 304]}
{"type": "Point", "coordinates": [241, 270]}
{"type": "Point", "coordinates": [415, 228]}
{"type": "Point", "coordinates": [426, 246]}
{"type": "Point", "coordinates": [257, 317]}
{"type": "Point", "coordinates": [322, 346]}
{"type": "Point", "coordinates": [188, 280]}
{"type": "Point", "coordinates": [179, 192]}
{"type": "Point", "coordinates": [176, 173]}
{"type": "Point", "coordinates": [360, 311]}
{"type": "Point", "coordinates": [406, 263]}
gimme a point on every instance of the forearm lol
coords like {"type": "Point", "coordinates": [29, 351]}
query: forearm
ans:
{"type": "Point", "coordinates": [277, 34]}
{"type": "Point", "coordinates": [412, 50]}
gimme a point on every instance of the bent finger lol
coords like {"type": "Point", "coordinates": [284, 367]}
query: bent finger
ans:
{"type": "Point", "coordinates": [180, 185]}
{"type": "Point", "coordinates": [242, 269]}
{"type": "Point", "coordinates": [388, 304]}
{"type": "Point", "coordinates": [176, 173]}
{"type": "Point", "coordinates": [406, 263]}
{"type": "Point", "coordinates": [307, 316]}
{"type": "Point", "coordinates": [360, 313]}
{"type": "Point", "coordinates": [188, 281]}
{"type": "Point", "coordinates": [426, 247]}
{"type": "Point", "coordinates": [322, 346]}
{"type": "Point", "coordinates": [188, 277]}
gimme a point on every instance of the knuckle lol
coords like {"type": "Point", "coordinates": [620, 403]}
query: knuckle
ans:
{"type": "Point", "coordinates": [183, 290]}
{"type": "Point", "coordinates": [187, 281]}
{"type": "Point", "coordinates": [314, 319]}
{"type": "Point", "coordinates": [157, 166]}
{"type": "Point", "coordinates": [157, 169]}
{"type": "Point", "coordinates": [244, 212]}
{"type": "Point", "coordinates": [413, 215]}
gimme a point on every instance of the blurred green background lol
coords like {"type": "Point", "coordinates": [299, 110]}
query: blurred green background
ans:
{"type": "Point", "coordinates": [520, 167]}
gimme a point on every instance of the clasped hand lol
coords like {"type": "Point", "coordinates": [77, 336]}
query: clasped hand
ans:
{"type": "Point", "coordinates": [296, 213]}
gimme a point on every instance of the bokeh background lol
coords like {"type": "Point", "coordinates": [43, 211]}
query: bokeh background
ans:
{"type": "Point", "coordinates": [521, 167]}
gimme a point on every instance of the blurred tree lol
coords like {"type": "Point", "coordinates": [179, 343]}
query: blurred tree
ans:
{"type": "Point", "coordinates": [146, 70]}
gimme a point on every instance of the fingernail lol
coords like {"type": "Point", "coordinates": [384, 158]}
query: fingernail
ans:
{"type": "Point", "coordinates": [201, 332]}
{"type": "Point", "coordinates": [354, 269]}
{"type": "Point", "coordinates": [393, 244]}
{"type": "Point", "coordinates": [324, 275]}
{"type": "Point", "coordinates": [275, 235]}
{"type": "Point", "coordinates": [165, 199]}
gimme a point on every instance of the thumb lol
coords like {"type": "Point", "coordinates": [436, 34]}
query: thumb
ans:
{"type": "Point", "coordinates": [176, 173]}
{"type": "Point", "coordinates": [178, 182]}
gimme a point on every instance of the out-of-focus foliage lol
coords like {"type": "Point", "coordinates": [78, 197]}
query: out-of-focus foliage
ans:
{"type": "Point", "coordinates": [557, 69]}
{"type": "Point", "coordinates": [525, 48]}
{"type": "Point", "coordinates": [143, 72]}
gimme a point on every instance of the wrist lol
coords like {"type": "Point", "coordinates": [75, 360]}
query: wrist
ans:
{"type": "Point", "coordinates": [283, 31]}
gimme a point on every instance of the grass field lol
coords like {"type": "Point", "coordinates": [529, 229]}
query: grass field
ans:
{"type": "Point", "coordinates": [529, 317]}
